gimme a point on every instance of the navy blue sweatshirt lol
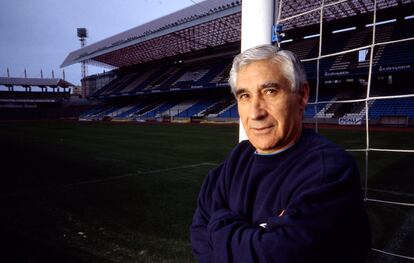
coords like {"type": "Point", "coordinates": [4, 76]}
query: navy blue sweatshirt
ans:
{"type": "Point", "coordinates": [309, 197]}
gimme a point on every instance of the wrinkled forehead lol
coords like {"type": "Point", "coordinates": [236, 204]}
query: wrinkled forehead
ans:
{"type": "Point", "coordinates": [279, 64]}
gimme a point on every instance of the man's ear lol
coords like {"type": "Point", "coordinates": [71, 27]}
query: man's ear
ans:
{"type": "Point", "coordinates": [303, 95]}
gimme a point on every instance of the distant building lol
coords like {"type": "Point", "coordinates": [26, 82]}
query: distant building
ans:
{"type": "Point", "coordinates": [77, 91]}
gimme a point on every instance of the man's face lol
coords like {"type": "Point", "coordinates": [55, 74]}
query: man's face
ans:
{"type": "Point", "coordinates": [269, 111]}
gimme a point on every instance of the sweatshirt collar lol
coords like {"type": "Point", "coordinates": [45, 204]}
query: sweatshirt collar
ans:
{"type": "Point", "coordinates": [273, 153]}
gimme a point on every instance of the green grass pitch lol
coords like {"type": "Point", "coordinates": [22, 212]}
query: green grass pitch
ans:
{"type": "Point", "coordinates": [104, 192]}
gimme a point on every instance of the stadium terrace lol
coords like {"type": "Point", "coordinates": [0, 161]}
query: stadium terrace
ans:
{"type": "Point", "coordinates": [175, 68]}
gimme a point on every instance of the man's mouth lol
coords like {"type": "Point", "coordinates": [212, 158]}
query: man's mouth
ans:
{"type": "Point", "coordinates": [261, 130]}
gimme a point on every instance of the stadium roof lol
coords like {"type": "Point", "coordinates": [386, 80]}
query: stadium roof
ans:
{"type": "Point", "coordinates": [37, 82]}
{"type": "Point", "coordinates": [207, 24]}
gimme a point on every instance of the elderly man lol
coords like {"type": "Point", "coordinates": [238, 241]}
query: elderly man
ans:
{"type": "Point", "coordinates": [286, 194]}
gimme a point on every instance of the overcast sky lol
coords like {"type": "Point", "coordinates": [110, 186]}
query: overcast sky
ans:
{"type": "Point", "coordinates": [39, 34]}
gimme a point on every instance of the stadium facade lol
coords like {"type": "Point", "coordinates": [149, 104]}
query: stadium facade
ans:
{"type": "Point", "coordinates": [176, 67]}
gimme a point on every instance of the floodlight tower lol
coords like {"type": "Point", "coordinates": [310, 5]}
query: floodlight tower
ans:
{"type": "Point", "coordinates": [82, 35]}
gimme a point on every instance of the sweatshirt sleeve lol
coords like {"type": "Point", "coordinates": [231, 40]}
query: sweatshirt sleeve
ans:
{"type": "Point", "coordinates": [209, 200]}
{"type": "Point", "coordinates": [325, 222]}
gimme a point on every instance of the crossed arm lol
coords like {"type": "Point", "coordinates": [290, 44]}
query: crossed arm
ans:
{"type": "Point", "coordinates": [325, 224]}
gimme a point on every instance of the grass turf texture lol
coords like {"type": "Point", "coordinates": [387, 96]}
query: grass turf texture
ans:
{"type": "Point", "coordinates": [143, 214]}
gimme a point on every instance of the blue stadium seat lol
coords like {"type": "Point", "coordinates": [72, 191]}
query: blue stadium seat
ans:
{"type": "Point", "coordinates": [231, 112]}
{"type": "Point", "coordinates": [196, 108]}
{"type": "Point", "coordinates": [159, 110]}
{"type": "Point", "coordinates": [392, 107]}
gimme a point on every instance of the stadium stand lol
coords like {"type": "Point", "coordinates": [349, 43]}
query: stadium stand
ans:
{"type": "Point", "coordinates": [145, 109]}
{"type": "Point", "coordinates": [229, 112]}
{"type": "Point", "coordinates": [217, 108]}
{"type": "Point", "coordinates": [38, 98]}
{"type": "Point", "coordinates": [305, 49]}
{"type": "Point", "coordinates": [210, 77]}
{"type": "Point", "coordinates": [181, 107]}
{"type": "Point", "coordinates": [128, 111]}
{"type": "Point", "coordinates": [160, 110]}
{"type": "Point", "coordinates": [392, 107]}
{"type": "Point", "coordinates": [195, 109]}
{"type": "Point", "coordinates": [173, 60]}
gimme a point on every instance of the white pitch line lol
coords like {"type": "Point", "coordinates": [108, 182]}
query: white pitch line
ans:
{"type": "Point", "coordinates": [389, 202]}
{"type": "Point", "coordinates": [133, 174]}
{"type": "Point", "coordinates": [391, 254]}
{"type": "Point", "coordinates": [390, 192]}
{"type": "Point", "coordinates": [398, 238]}
{"type": "Point", "coordinates": [95, 181]}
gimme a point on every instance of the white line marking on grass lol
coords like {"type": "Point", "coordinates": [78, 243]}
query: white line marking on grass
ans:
{"type": "Point", "coordinates": [95, 181]}
{"type": "Point", "coordinates": [391, 192]}
{"type": "Point", "coordinates": [392, 254]}
{"type": "Point", "coordinates": [389, 202]}
{"type": "Point", "coordinates": [133, 174]}
{"type": "Point", "coordinates": [395, 243]}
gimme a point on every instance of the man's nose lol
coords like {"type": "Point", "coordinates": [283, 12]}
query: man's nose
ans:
{"type": "Point", "coordinates": [257, 109]}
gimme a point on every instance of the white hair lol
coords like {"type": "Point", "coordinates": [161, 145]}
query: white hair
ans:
{"type": "Point", "coordinates": [290, 64]}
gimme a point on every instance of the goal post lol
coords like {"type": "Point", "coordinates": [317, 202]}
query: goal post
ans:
{"type": "Point", "coordinates": [258, 17]}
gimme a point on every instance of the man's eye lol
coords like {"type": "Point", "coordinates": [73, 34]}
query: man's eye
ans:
{"type": "Point", "coordinates": [243, 96]}
{"type": "Point", "coordinates": [270, 91]}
